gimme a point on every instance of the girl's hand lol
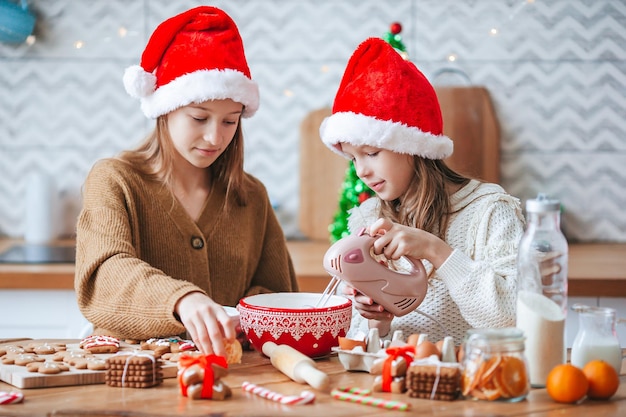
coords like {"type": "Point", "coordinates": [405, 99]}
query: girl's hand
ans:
{"type": "Point", "coordinates": [396, 240]}
{"type": "Point", "coordinates": [368, 308]}
{"type": "Point", "coordinates": [207, 323]}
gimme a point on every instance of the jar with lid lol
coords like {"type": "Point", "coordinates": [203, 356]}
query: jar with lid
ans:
{"type": "Point", "coordinates": [542, 288]}
{"type": "Point", "coordinates": [596, 337]}
{"type": "Point", "coordinates": [494, 365]}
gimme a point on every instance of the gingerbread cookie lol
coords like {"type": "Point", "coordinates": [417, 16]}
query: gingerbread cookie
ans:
{"type": "Point", "coordinates": [183, 346]}
{"type": "Point", "coordinates": [196, 371]}
{"type": "Point", "coordinates": [96, 364]}
{"type": "Point", "coordinates": [24, 359]}
{"type": "Point", "coordinates": [44, 349]}
{"type": "Point", "coordinates": [435, 381]}
{"type": "Point", "coordinates": [8, 359]}
{"type": "Point", "coordinates": [59, 356]}
{"type": "Point", "coordinates": [139, 370]}
{"type": "Point", "coordinates": [100, 344]}
{"type": "Point", "coordinates": [172, 357]}
{"type": "Point", "coordinates": [168, 345]}
{"type": "Point", "coordinates": [79, 363]}
{"type": "Point", "coordinates": [158, 346]}
{"type": "Point", "coordinates": [14, 349]}
{"type": "Point", "coordinates": [234, 351]}
{"type": "Point", "coordinates": [47, 368]}
{"type": "Point", "coordinates": [21, 357]}
{"type": "Point", "coordinates": [75, 358]}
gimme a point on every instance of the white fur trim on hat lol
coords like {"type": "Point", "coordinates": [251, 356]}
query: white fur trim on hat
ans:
{"type": "Point", "coordinates": [359, 130]}
{"type": "Point", "coordinates": [200, 86]}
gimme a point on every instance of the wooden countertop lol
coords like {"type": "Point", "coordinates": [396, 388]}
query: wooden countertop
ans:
{"type": "Point", "coordinates": [166, 400]}
{"type": "Point", "coordinates": [595, 270]}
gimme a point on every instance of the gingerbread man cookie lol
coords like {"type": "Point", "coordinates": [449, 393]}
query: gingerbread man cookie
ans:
{"type": "Point", "coordinates": [47, 368]}
{"type": "Point", "coordinates": [199, 376]}
{"type": "Point", "coordinates": [24, 359]}
{"type": "Point", "coordinates": [10, 357]}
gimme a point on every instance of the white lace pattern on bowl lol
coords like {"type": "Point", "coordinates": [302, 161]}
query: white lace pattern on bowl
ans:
{"type": "Point", "coordinates": [297, 325]}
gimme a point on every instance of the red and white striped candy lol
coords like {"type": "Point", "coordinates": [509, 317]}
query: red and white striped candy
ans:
{"type": "Point", "coordinates": [11, 397]}
{"type": "Point", "coordinates": [306, 397]}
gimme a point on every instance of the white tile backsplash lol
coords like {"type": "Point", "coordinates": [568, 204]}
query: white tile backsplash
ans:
{"type": "Point", "coordinates": [556, 72]}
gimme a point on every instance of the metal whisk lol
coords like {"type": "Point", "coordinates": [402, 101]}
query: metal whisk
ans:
{"type": "Point", "coordinates": [328, 292]}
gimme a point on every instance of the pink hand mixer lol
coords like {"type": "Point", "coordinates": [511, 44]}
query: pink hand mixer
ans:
{"type": "Point", "coordinates": [349, 259]}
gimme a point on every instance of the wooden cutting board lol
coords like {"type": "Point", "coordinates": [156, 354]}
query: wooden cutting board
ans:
{"type": "Point", "coordinates": [321, 174]}
{"type": "Point", "coordinates": [19, 377]}
{"type": "Point", "coordinates": [469, 120]}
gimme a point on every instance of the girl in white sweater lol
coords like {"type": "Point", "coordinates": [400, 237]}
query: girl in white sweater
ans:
{"type": "Point", "coordinates": [387, 120]}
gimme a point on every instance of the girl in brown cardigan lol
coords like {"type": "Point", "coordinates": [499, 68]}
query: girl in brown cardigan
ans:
{"type": "Point", "coordinates": [173, 230]}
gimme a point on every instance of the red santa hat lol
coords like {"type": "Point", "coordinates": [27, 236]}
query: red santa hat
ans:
{"type": "Point", "coordinates": [191, 58]}
{"type": "Point", "coordinates": [386, 102]}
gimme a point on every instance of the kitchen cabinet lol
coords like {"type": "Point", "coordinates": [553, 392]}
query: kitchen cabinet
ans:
{"type": "Point", "coordinates": [40, 314]}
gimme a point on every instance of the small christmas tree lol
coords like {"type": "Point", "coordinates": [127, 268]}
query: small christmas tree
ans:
{"type": "Point", "coordinates": [353, 190]}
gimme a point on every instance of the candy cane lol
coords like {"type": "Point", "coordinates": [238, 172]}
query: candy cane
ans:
{"type": "Point", "coordinates": [355, 390]}
{"type": "Point", "coordinates": [306, 397]}
{"type": "Point", "coordinates": [11, 397]}
{"type": "Point", "coordinates": [366, 399]}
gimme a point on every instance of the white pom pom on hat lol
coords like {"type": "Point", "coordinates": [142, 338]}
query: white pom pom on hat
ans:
{"type": "Point", "coordinates": [384, 101]}
{"type": "Point", "coordinates": [138, 83]}
{"type": "Point", "coordinates": [192, 57]}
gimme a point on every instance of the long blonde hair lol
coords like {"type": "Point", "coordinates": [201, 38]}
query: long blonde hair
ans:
{"type": "Point", "coordinates": [154, 159]}
{"type": "Point", "coordinates": [426, 204]}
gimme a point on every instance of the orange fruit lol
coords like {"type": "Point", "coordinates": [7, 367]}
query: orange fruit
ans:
{"type": "Point", "coordinates": [512, 378]}
{"type": "Point", "coordinates": [496, 377]}
{"type": "Point", "coordinates": [603, 380]}
{"type": "Point", "coordinates": [567, 383]}
{"type": "Point", "coordinates": [491, 391]}
{"type": "Point", "coordinates": [490, 368]}
{"type": "Point", "coordinates": [471, 375]}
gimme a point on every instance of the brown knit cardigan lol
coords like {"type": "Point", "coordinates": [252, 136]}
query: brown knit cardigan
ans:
{"type": "Point", "coordinates": [138, 252]}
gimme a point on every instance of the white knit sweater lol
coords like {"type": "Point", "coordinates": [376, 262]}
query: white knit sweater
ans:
{"type": "Point", "coordinates": [476, 286]}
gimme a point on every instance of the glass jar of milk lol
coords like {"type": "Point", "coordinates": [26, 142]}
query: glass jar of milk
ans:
{"type": "Point", "coordinates": [596, 337]}
{"type": "Point", "coordinates": [542, 288]}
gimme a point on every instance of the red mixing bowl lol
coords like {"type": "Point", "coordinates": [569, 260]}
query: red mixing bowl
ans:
{"type": "Point", "coordinates": [291, 318]}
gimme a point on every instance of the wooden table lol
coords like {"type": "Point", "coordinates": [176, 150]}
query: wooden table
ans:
{"type": "Point", "coordinates": [166, 400]}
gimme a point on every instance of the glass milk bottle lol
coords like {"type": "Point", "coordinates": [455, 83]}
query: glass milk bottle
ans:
{"type": "Point", "coordinates": [596, 337]}
{"type": "Point", "coordinates": [542, 288]}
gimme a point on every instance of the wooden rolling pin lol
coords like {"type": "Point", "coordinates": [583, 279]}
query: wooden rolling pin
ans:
{"type": "Point", "coordinates": [296, 365]}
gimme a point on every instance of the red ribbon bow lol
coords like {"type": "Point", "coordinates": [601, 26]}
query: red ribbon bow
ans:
{"type": "Point", "coordinates": [205, 361]}
{"type": "Point", "coordinates": [407, 352]}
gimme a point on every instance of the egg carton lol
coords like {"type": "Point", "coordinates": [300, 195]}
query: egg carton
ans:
{"type": "Point", "coordinates": [360, 359]}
